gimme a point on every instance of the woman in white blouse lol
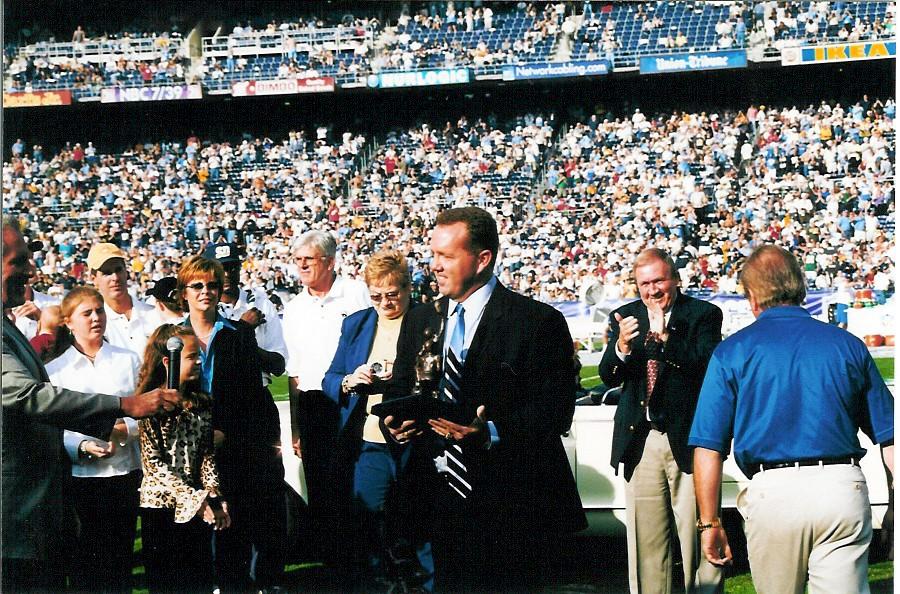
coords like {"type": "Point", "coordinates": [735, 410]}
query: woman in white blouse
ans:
{"type": "Point", "coordinates": [106, 476]}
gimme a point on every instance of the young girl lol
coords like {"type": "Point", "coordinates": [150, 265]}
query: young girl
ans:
{"type": "Point", "coordinates": [180, 490]}
{"type": "Point", "coordinates": [105, 475]}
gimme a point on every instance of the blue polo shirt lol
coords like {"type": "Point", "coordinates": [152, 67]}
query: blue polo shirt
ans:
{"type": "Point", "coordinates": [789, 387]}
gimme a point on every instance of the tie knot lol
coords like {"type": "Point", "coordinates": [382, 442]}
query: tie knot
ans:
{"type": "Point", "coordinates": [459, 309]}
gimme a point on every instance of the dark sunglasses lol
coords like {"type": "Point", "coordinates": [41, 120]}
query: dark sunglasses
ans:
{"type": "Point", "coordinates": [377, 297]}
{"type": "Point", "coordinates": [211, 286]}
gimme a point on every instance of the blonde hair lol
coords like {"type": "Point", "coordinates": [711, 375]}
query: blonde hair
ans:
{"type": "Point", "coordinates": [387, 266]}
{"type": "Point", "coordinates": [650, 255]}
{"type": "Point", "coordinates": [197, 267]}
{"type": "Point", "coordinates": [774, 277]}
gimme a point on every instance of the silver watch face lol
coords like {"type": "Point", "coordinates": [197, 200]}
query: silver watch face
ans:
{"type": "Point", "coordinates": [377, 367]}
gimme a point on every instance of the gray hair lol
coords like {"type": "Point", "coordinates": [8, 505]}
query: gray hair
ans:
{"type": "Point", "coordinates": [323, 241]}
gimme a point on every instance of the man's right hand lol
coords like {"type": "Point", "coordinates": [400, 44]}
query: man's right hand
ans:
{"type": "Point", "coordinates": [150, 403]}
{"type": "Point", "coordinates": [628, 331]}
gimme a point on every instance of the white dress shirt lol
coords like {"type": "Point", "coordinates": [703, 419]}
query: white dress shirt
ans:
{"type": "Point", "coordinates": [131, 334]}
{"type": "Point", "coordinates": [114, 371]}
{"type": "Point", "coordinates": [312, 328]}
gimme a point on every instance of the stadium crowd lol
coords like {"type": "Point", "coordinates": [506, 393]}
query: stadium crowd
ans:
{"type": "Point", "coordinates": [482, 35]}
{"type": "Point", "coordinates": [574, 202]}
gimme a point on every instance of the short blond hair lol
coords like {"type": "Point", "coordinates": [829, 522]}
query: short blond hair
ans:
{"type": "Point", "coordinates": [387, 267]}
{"type": "Point", "coordinates": [197, 267]}
{"type": "Point", "coordinates": [650, 255]}
{"type": "Point", "coordinates": [774, 277]}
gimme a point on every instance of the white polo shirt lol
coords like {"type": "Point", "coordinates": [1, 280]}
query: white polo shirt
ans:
{"type": "Point", "coordinates": [114, 371]}
{"type": "Point", "coordinates": [312, 328]}
{"type": "Point", "coordinates": [131, 334]}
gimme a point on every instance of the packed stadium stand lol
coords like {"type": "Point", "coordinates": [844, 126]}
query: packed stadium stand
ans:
{"type": "Point", "coordinates": [577, 193]}
{"type": "Point", "coordinates": [483, 37]}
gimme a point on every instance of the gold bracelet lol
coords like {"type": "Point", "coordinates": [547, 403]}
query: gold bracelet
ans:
{"type": "Point", "coordinates": [715, 523]}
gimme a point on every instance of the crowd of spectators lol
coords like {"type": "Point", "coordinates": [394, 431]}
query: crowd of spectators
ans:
{"type": "Point", "coordinates": [443, 35]}
{"type": "Point", "coordinates": [781, 23]}
{"type": "Point", "coordinates": [574, 202]}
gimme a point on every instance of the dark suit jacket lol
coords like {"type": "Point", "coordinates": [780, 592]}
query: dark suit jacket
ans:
{"type": "Point", "coordinates": [695, 328]}
{"type": "Point", "coordinates": [244, 411]}
{"type": "Point", "coordinates": [357, 336]}
{"type": "Point", "coordinates": [34, 461]}
{"type": "Point", "coordinates": [520, 367]}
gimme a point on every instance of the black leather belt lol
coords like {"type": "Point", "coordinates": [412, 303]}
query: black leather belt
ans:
{"type": "Point", "coordinates": [811, 462]}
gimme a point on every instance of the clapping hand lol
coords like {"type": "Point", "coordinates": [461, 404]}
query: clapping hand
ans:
{"type": "Point", "coordinates": [628, 331]}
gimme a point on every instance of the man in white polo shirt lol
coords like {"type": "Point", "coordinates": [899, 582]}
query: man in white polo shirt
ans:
{"type": "Point", "coordinates": [312, 327]}
{"type": "Point", "coordinates": [129, 321]}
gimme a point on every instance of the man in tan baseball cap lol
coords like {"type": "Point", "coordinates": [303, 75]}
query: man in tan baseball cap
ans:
{"type": "Point", "coordinates": [129, 321]}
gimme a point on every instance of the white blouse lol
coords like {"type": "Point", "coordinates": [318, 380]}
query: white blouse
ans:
{"type": "Point", "coordinates": [114, 371]}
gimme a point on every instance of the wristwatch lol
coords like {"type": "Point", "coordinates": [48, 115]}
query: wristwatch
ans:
{"type": "Point", "coordinates": [345, 384]}
{"type": "Point", "coordinates": [714, 523]}
{"type": "Point", "coordinates": [82, 451]}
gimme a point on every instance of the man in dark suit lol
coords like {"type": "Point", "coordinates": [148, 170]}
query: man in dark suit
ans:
{"type": "Point", "coordinates": [658, 351]}
{"type": "Point", "coordinates": [501, 488]}
{"type": "Point", "coordinates": [34, 416]}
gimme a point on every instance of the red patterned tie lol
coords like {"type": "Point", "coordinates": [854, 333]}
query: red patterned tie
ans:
{"type": "Point", "coordinates": [651, 343]}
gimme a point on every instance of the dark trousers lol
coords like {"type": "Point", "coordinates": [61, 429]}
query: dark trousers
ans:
{"type": "Point", "coordinates": [328, 469]}
{"type": "Point", "coordinates": [177, 557]}
{"type": "Point", "coordinates": [251, 551]}
{"type": "Point", "coordinates": [479, 550]}
{"type": "Point", "coordinates": [31, 576]}
{"type": "Point", "coordinates": [107, 510]}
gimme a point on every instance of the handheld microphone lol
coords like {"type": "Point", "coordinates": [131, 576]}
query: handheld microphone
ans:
{"type": "Point", "coordinates": [173, 377]}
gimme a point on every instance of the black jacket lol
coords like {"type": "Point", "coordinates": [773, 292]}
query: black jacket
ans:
{"type": "Point", "coordinates": [695, 328]}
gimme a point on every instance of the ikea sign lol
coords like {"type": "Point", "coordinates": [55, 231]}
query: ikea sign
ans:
{"type": "Point", "coordinates": [842, 52]}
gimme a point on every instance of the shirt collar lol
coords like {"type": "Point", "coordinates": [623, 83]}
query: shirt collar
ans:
{"type": "Point", "coordinates": [476, 302]}
{"type": "Point", "coordinates": [784, 311]}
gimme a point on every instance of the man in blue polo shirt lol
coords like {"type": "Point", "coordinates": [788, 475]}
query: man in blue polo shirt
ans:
{"type": "Point", "coordinates": [793, 392]}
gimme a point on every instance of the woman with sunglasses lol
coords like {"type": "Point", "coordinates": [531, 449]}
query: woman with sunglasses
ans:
{"type": "Point", "coordinates": [246, 434]}
{"type": "Point", "coordinates": [361, 365]}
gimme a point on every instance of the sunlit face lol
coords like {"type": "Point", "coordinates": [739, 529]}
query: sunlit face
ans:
{"type": "Point", "coordinates": [656, 285]}
{"type": "Point", "coordinates": [17, 268]}
{"type": "Point", "coordinates": [88, 321]}
{"type": "Point", "coordinates": [202, 294]}
{"type": "Point", "coordinates": [455, 266]}
{"type": "Point", "coordinates": [112, 279]}
{"type": "Point", "coordinates": [389, 299]}
{"type": "Point", "coordinates": [316, 269]}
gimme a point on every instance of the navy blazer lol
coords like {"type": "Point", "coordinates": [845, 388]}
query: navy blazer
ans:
{"type": "Point", "coordinates": [354, 346]}
{"type": "Point", "coordinates": [695, 328]}
{"type": "Point", "coordinates": [520, 367]}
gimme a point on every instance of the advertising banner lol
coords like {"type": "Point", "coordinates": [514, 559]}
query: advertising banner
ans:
{"type": "Point", "coordinates": [153, 93]}
{"type": "Point", "coordinates": [556, 69]}
{"type": "Point", "coordinates": [419, 78]}
{"type": "Point", "coordinates": [282, 86]}
{"type": "Point", "coordinates": [842, 52]}
{"type": "Point", "coordinates": [693, 62]}
{"type": "Point", "coordinates": [37, 98]}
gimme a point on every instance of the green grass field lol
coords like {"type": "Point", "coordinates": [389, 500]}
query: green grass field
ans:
{"type": "Point", "coordinates": [589, 377]}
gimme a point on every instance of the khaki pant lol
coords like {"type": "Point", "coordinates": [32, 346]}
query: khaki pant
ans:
{"type": "Point", "coordinates": [661, 512]}
{"type": "Point", "coordinates": [810, 523]}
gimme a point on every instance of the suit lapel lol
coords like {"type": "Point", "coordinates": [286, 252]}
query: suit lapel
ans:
{"type": "Point", "coordinates": [488, 325]}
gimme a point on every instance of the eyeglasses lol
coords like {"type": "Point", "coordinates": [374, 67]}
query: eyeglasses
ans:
{"type": "Point", "coordinates": [307, 260]}
{"type": "Point", "coordinates": [210, 286]}
{"type": "Point", "coordinates": [377, 297]}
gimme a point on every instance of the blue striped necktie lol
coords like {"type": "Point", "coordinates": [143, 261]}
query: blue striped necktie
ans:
{"type": "Point", "coordinates": [450, 462]}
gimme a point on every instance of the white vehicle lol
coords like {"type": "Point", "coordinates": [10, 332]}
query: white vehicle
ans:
{"type": "Point", "coordinates": [602, 492]}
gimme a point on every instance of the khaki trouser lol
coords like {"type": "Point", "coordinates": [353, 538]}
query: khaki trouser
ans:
{"type": "Point", "coordinates": [661, 512]}
{"type": "Point", "coordinates": [810, 523]}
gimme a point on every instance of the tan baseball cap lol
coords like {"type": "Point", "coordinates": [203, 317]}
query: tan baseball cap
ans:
{"type": "Point", "coordinates": [101, 253]}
